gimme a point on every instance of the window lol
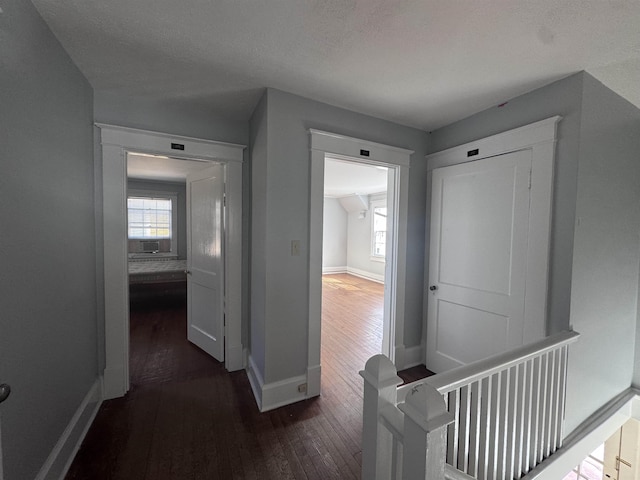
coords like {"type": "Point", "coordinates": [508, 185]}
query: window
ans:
{"type": "Point", "coordinates": [379, 229]}
{"type": "Point", "coordinates": [149, 218]}
{"type": "Point", "coordinates": [152, 223]}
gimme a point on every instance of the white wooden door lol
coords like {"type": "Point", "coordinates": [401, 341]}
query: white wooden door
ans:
{"type": "Point", "coordinates": [477, 259]}
{"type": "Point", "coordinates": [205, 265]}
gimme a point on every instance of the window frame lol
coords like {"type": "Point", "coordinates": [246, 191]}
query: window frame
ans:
{"type": "Point", "coordinates": [373, 204]}
{"type": "Point", "coordinates": [164, 195]}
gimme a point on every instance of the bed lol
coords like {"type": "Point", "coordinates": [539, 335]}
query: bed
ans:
{"type": "Point", "coordinates": [155, 279]}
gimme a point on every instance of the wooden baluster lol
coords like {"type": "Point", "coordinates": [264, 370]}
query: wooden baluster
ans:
{"type": "Point", "coordinates": [474, 430]}
{"type": "Point", "coordinates": [380, 389]}
{"type": "Point", "coordinates": [425, 428]}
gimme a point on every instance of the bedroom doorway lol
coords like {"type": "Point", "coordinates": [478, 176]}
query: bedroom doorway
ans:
{"type": "Point", "coordinates": [325, 145]}
{"type": "Point", "coordinates": [175, 293]}
{"type": "Point", "coordinates": [354, 248]}
{"type": "Point", "coordinates": [116, 144]}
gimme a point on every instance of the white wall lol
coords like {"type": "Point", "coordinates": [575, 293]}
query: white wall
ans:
{"type": "Point", "coordinates": [359, 243]}
{"type": "Point", "coordinates": [334, 235]}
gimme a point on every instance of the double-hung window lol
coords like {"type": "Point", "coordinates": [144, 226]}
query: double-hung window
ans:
{"type": "Point", "coordinates": [152, 223]}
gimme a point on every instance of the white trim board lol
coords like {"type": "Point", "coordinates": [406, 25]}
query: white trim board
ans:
{"type": "Point", "coordinates": [374, 277]}
{"type": "Point", "coordinates": [63, 453]}
{"type": "Point", "coordinates": [540, 139]}
{"type": "Point", "coordinates": [333, 270]}
{"type": "Point", "coordinates": [116, 142]}
{"type": "Point", "coordinates": [323, 144]}
{"type": "Point", "coordinates": [588, 436]}
{"type": "Point", "coordinates": [270, 396]}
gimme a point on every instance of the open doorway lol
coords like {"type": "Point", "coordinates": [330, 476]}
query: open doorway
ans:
{"type": "Point", "coordinates": [354, 248]}
{"type": "Point", "coordinates": [397, 160]}
{"type": "Point", "coordinates": [160, 232]}
{"type": "Point", "coordinates": [117, 142]}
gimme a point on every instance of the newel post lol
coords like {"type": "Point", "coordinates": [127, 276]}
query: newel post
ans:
{"type": "Point", "coordinates": [425, 434]}
{"type": "Point", "coordinates": [380, 389]}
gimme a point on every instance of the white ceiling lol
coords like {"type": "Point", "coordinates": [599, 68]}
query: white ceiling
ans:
{"type": "Point", "coordinates": [155, 167]}
{"type": "Point", "coordinates": [347, 178]}
{"type": "Point", "coordinates": [424, 63]}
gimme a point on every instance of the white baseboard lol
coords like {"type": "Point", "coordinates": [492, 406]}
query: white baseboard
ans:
{"type": "Point", "coordinates": [63, 453]}
{"type": "Point", "coordinates": [330, 270]}
{"type": "Point", "coordinates": [283, 392]}
{"type": "Point", "coordinates": [234, 358]}
{"type": "Point", "coordinates": [112, 382]}
{"type": "Point", "coordinates": [313, 381]}
{"type": "Point", "coordinates": [270, 396]}
{"type": "Point", "coordinates": [256, 381]}
{"type": "Point", "coordinates": [374, 277]}
{"type": "Point", "coordinates": [412, 356]}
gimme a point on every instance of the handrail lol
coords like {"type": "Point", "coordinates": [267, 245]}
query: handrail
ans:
{"type": "Point", "coordinates": [457, 377]}
{"type": "Point", "coordinates": [500, 418]}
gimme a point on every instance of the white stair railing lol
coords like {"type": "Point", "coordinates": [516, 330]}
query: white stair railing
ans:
{"type": "Point", "coordinates": [493, 419]}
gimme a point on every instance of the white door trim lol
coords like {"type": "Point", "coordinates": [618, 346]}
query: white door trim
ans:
{"type": "Point", "coordinates": [323, 143]}
{"type": "Point", "coordinates": [540, 138]}
{"type": "Point", "coordinates": [116, 141]}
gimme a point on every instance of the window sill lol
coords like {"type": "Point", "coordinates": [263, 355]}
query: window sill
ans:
{"type": "Point", "coordinates": [152, 256]}
{"type": "Point", "coordinates": [375, 258]}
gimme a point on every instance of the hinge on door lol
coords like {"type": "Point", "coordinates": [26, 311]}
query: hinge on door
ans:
{"type": "Point", "coordinates": [529, 179]}
{"type": "Point", "coordinates": [224, 199]}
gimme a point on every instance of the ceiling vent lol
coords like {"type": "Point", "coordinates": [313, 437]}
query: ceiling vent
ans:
{"type": "Point", "coordinates": [355, 203]}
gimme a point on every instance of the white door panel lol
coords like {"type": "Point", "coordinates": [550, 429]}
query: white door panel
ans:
{"type": "Point", "coordinates": [478, 250]}
{"type": "Point", "coordinates": [205, 281]}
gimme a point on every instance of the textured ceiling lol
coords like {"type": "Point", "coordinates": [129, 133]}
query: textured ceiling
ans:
{"type": "Point", "coordinates": [422, 63]}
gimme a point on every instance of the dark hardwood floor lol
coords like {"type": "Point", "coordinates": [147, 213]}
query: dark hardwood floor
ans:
{"type": "Point", "coordinates": [187, 418]}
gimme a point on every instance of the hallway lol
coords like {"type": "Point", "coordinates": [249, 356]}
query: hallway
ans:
{"type": "Point", "coordinates": [187, 418]}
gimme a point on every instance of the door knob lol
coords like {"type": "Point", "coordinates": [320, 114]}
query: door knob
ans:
{"type": "Point", "coordinates": [433, 288]}
{"type": "Point", "coordinates": [5, 391]}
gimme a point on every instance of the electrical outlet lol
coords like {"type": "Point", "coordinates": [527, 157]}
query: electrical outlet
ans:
{"type": "Point", "coordinates": [295, 248]}
{"type": "Point", "coordinates": [302, 388]}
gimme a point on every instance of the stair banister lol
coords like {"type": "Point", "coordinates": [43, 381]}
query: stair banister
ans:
{"type": "Point", "coordinates": [380, 390]}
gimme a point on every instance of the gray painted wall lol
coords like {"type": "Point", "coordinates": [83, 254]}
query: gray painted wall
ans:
{"type": "Point", "coordinates": [606, 251]}
{"type": "Point", "coordinates": [259, 152]}
{"type": "Point", "coordinates": [169, 187]}
{"type": "Point", "coordinates": [189, 119]}
{"type": "Point", "coordinates": [283, 310]}
{"type": "Point", "coordinates": [48, 347]}
{"type": "Point", "coordinates": [595, 245]}
{"type": "Point", "coordinates": [564, 98]}
{"type": "Point", "coordinates": [334, 234]}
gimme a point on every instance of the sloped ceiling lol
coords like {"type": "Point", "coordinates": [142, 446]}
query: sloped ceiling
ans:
{"type": "Point", "coordinates": [423, 63]}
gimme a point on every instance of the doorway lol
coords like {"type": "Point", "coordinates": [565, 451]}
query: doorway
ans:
{"type": "Point", "coordinates": [116, 142]}
{"type": "Point", "coordinates": [397, 161]}
{"type": "Point", "coordinates": [173, 204]}
{"type": "Point", "coordinates": [487, 260]}
{"type": "Point", "coordinates": [355, 223]}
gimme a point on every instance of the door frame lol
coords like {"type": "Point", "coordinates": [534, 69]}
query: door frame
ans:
{"type": "Point", "coordinates": [325, 143]}
{"type": "Point", "coordinates": [116, 142]}
{"type": "Point", "coordinates": [539, 137]}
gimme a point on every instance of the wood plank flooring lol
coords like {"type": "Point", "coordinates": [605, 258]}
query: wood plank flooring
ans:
{"type": "Point", "coordinates": [187, 418]}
